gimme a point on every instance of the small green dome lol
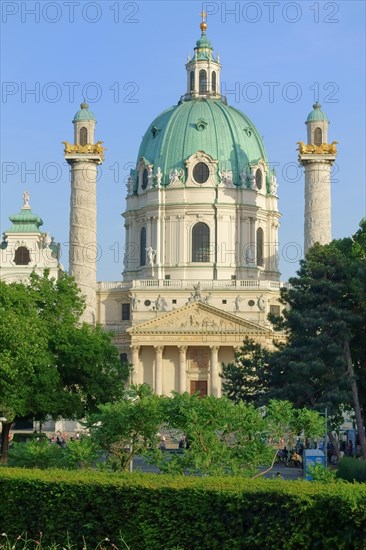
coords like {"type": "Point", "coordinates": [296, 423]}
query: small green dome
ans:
{"type": "Point", "coordinates": [84, 113]}
{"type": "Point", "coordinates": [317, 114]}
{"type": "Point", "coordinates": [25, 222]}
{"type": "Point", "coordinates": [204, 42]}
{"type": "Point", "coordinates": [203, 124]}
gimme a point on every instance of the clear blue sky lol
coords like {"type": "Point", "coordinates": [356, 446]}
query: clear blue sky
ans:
{"type": "Point", "coordinates": [127, 59]}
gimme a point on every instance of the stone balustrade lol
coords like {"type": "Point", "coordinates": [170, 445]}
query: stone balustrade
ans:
{"type": "Point", "coordinates": [189, 284]}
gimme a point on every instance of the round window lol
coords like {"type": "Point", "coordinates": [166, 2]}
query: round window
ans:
{"type": "Point", "coordinates": [258, 179]}
{"type": "Point", "coordinates": [147, 303]}
{"type": "Point", "coordinates": [251, 303]}
{"type": "Point", "coordinates": [201, 172]}
{"type": "Point", "coordinates": [144, 179]}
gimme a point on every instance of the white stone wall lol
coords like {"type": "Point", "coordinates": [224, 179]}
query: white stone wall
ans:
{"type": "Point", "coordinates": [40, 256]}
{"type": "Point", "coordinates": [312, 125]}
{"type": "Point", "coordinates": [169, 215]}
{"type": "Point", "coordinates": [89, 125]}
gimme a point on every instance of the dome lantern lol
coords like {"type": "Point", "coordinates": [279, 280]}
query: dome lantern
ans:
{"type": "Point", "coordinates": [203, 71]}
{"type": "Point", "coordinates": [84, 125]}
{"type": "Point", "coordinates": [317, 124]}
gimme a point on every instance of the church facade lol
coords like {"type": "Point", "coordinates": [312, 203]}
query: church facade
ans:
{"type": "Point", "coordinates": [201, 225]}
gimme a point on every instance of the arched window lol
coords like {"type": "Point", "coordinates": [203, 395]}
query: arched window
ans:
{"type": "Point", "coordinates": [318, 136]}
{"type": "Point", "coordinates": [83, 136]}
{"type": "Point", "coordinates": [201, 243]}
{"type": "Point", "coordinates": [191, 81]}
{"type": "Point", "coordinates": [22, 256]}
{"type": "Point", "coordinates": [143, 246]}
{"type": "Point", "coordinates": [213, 81]}
{"type": "Point", "coordinates": [258, 179]}
{"type": "Point", "coordinates": [260, 239]}
{"type": "Point", "coordinates": [203, 81]}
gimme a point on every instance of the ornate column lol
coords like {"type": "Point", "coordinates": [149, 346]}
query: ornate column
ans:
{"type": "Point", "coordinates": [214, 367]}
{"type": "Point", "coordinates": [136, 377]}
{"type": "Point", "coordinates": [317, 157]}
{"type": "Point", "coordinates": [182, 368]}
{"type": "Point", "coordinates": [84, 156]}
{"type": "Point", "coordinates": [159, 369]}
{"type": "Point", "coordinates": [317, 217]}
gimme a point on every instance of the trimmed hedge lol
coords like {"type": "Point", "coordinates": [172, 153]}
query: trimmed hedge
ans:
{"type": "Point", "coordinates": [352, 469]}
{"type": "Point", "coordinates": [163, 512]}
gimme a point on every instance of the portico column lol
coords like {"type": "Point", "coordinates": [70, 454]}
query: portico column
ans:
{"type": "Point", "coordinates": [135, 375]}
{"type": "Point", "coordinates": [182, 368]}
{"type": "Point", "coordinates": [159, 369]}
{"type": "Point", "coordinates": [215, 378]}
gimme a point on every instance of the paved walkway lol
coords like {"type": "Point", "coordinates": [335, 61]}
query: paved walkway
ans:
{"type": "Point", "coordinates": [286, 472]}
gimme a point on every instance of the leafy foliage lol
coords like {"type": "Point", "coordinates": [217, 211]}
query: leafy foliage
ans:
{"type": "Point", "coordinates": [322, 364]}
{"type": "Point", "coordinates": [247, 377]}
{"type": "Point", "coordinates": [128, 426]}
{"type": "Point", "coordinates": [158, 511]}
{"type": "Point", "coordinates": [50, 364]}
{"type": "Point", "coordinates": [352, 469]}
{"type": "Point", "coordinates": [310, 369]}
{"type": "Point", "coordinates": [317, 472]}
{"type": "Point", "coordinates": [45, 455]}
{"type": "Point", "coordinates": [227, 438]}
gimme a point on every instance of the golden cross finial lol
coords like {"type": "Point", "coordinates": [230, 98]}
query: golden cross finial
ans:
{"type": "Point", "coordinates": [203, 25]}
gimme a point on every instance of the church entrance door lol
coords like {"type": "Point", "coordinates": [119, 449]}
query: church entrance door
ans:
{"type": "Point", "coordinates": [200, 386]}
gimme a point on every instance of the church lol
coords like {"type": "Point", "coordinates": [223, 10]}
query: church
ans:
{"type": "Point", "coordinates": [201, 269]}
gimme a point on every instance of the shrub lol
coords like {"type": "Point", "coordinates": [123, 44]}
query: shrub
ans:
{"type": "Point", "coordinates": [318, 472]}
{"type": "Point", "coordinates": [164, 512]}
{"type": "Point", "coordinates": [352, 469]}
{"type": "Point", "coordinates": [44, 455]}
{"type": "Point", "coordinates": [35, 454]}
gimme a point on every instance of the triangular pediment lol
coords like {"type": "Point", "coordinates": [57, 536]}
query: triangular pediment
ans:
{"type": "Point", "coordinates": [201, 318]}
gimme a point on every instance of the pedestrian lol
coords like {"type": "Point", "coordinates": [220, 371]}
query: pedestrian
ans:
{"type": "Point", "coordinates": [59, 439]}
{"type": "Point", "coordinates": [350, 448]}
{"type": "Point", "coordinates": [285, 454]}
{"type": "Point", "coordinates": [162, 443]}
{"type": "Point", "coordinates": [297, 459]}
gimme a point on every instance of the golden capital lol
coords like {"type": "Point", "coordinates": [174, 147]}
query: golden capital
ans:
{"type": "Point", "coordinates": [322, 149]}
{"type": "Point", "coordinates": [88, 149]}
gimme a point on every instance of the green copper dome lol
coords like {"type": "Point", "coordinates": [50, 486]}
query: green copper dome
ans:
{"type": "Point", "coordinates": [208, 125]}
{"type": "Point", "coordinates": [84, 113]}
{"type": "Point", "coordinates": [317, 114]}
{"type": "Point", "coordinates": [25, 222]}
{"type": "Point", "coordinates": [203, 42]}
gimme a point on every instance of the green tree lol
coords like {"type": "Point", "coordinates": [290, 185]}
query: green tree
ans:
{"type": "Point", "coordinates": [50, 364]}
{"type": "Point", "coordinates": [227, 438]}
{"type": "Point", "coordinates": [247, 377]}
{"type": "Point", "coordinates": [128, 426]}
{"type": "Point", "coordinates": [323, 362]}
{"type": "Point", "coordinates": [224, 438]}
